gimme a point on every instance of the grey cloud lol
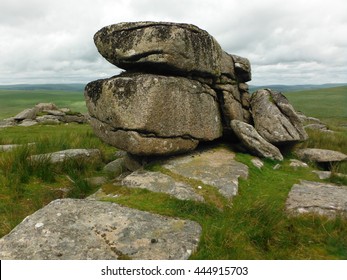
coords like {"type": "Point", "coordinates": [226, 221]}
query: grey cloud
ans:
{"type": "Point", "coordinates": [286, 41]}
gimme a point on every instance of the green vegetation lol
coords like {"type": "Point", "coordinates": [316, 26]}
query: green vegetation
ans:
{"type": "Point", "coordinates": [253, 226]}
{"type": "Point", "coordinates": [329, 104]}
{"type": "Point", "coordinates": [14, 101]}
{"type": "Point", "coordinates": [26, 186]}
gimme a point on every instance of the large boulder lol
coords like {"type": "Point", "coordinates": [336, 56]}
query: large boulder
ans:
{"type": "Point", "coordinates": [71, 229]}
{"type": "Point", "coordinates": [275, 119]}
{"type": "Point", "coordinates": [129, 110]}
{"type": "Point", "coordinates": [154, 46]}
{"type": "Point", "coordinates": [256, 144]}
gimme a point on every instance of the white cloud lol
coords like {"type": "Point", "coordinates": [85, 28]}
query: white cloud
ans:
{"type": "Point", "coordinates": [297, 41]}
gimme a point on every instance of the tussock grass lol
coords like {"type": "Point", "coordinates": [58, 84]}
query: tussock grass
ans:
{"type": "Point", "coordinates": [27, 185]}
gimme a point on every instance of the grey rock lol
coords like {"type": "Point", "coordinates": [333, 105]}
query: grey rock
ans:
{"type": "Point", "coordinates": [320, 155]}
{"type": "Point", "coordinates": [297, 163]}
{"type": "Point", "coordinates": [320, 198]}
{"type": "Point", "coordinates": [133, 162]}
{"type": "Point", "coordinates": [46, 107]}
{"type": "Point", "coordinates": [153, 46]}
{"type": "Point", "coordinates": [275, 119]}
{"type": "Point", "coordinates": [327, 174]}
{"type": "Point", "coordinates": [7, 123]}
{"type": "Point", "coordinates": [257, 162]}
{"type": "Point", "coordinates": [242, 69]}
{"type": "Point", "coordinates": [115, 167]}
{"type": "Point", "coordinates": [158, 182]}
{"type": "Point", "coordinates": [56, 157]}
{"type": "Point", "coordinates": [28, 122]}
{"type": "Point", "coordinates": [231, 104]}
{"type": "Point", "coordinates": [215, 167]}
{"type": "Point", "coordinates": [27, 114]}
{"type": "Point", "coordinates": [316, 126]}
{"type": "Point", "coordinates": [129, 110]}
{"type": "Point", "coordinates": [49, 119]}
{"type": "Point", "coordinates": [70, 229]}
{"type": "Point", "coordinates": [55, 113]}
{"type": "Point", "coordinates": [256, 144]}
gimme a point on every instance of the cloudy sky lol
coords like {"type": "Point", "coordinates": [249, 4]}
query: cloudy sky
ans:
{"type": "Point", "coordinates": [287, 41]}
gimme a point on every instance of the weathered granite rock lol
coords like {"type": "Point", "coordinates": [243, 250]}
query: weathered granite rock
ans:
{"type": "Point", "coordinates": [257, 162]}
{"type": "Point", "coordinates": [275, 119]}
{"type": "Point", "coordinates": [153, 46]}
{"type": "Point", "coordinates": [254, 142]}
{"type": "Point", "coordinates": [215, 167]}
{"type": "Point", "coordinates": [297, 163]}
{"type": "Point", "coordinates": [70, 229]}
{"type": "Point", "coordinates": [149, 107]}
{"type": "Point", "coordinates": [327, 174]}
{"type": "Point", "coordinates": [242, 69]}
{"type": "Point", "coordinates": [81, 154]}
{"type": "Point", "coordinates": [115, 167]}
{"type": "Point", "coordinates": [320, 155]}
{"type": "Point", "coordinates": [77, 118]}
{"type": "Point", "coordinates": [28, 122]}
{"type": "Point", "coordinates": [26, 114]}
{"type": "Point", "coordinates": [49, 119]}
{"type": "Point", "coordinates": [321, 198]}
{"type": "Point", "coordinates": [158, 182]}
{"type": "Point", "coordinates": [41, 107]}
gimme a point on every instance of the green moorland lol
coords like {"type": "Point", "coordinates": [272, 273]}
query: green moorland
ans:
{"type": "Point", "coordinates": [253, 226]}
{"type": "Point", "coordinates": [14, 101]}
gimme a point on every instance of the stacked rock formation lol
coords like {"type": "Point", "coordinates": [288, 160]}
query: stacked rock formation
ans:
{"type": "Point", "coordinates": [180, 88]}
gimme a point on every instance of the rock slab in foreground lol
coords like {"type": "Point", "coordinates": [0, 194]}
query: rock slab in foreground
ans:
{"type": "Point", "coordinates": [321, 198]}
{"type": "Point", "coordinates": [82, 229]}
{"type": "Point", "coordinates": [216, 168]}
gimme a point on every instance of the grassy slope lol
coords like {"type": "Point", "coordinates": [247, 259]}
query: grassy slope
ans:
{"type": "Point", "coordinates": [327, 104]}
{"type": "Point", "coordinates": [14, 101]}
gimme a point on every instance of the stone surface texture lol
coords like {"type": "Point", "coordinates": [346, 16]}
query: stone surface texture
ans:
{"type": "Point", "coordinates": [314, 197]}
{"type": "Point", "coordinates": [275, 119]}
{"type": "Point", "coordinates": [256, 144]}
{"type": "Point", "coordinates": [60, 156]}
{"type": "Point", "coordinates": [215, 167]}
{"type": "Point", "coordinates": [320, 155]}
{"type": "Point", "coordinates": [71, 229]}
{"type": "Point", "coordinates": [158, 182]}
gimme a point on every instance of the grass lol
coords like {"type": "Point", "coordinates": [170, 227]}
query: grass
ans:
{"type": "Point", "coordinates": [254, 225]}
{"type": "Point", "coordinates": [14, 101]}
{"type": "Point", "coordinates": [26, 186]}
{"type": "Point", "coordinates": [327, 104]}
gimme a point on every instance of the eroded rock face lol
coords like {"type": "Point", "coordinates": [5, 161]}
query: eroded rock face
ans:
{"type": "Point", "coordinates": [275, 119]}
{"type": "Point", "coordinates": [153, 46]}
{"type": "Point", "coordinates": [71, 229]}
{"type": "Point", "coordinates": [140, 107]}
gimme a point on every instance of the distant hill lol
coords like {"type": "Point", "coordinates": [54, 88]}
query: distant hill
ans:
{"type": "Point", "coordinates": [291, 88]}
{"type": "Point", "coordinates": [60, 87]}
{"type": "Point", "coordinates": [80, 87]}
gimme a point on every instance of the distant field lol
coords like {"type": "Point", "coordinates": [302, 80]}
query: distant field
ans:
{"type": "Point", "coordinates": [327, 103]}
{"type": "Point", "coordinates": [14, 101]}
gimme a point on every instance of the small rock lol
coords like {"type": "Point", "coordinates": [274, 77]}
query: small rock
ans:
{"type": "Point", "coordinates": [257, 162]}
{"type": "Point", "coordinates": [97, 181]}
{"type": "Point", "coordinates": [82, 154]}
{"type": "Point", "coordinates": [27, 114]}
{"type": "Point", "coordinates": [277, 166]}
{"type": "Point", "coordinates": [28, 122]}
{"type": "Point", "coordinates": [115, 167]}
{"type": "Point", "coordinates": [297, 163]}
